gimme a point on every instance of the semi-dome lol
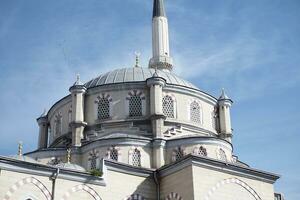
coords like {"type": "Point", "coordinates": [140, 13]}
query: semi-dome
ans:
{"type": "Point", "coordinates": [137, 74]}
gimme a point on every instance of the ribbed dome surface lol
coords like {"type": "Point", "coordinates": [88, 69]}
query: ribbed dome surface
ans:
{"type": "Point", "coordinates": [136, 74]}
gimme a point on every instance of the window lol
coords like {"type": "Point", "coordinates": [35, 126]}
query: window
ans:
{"type": "Point", "coordinates": [136, 158]}
{"type": "Point", "coordinates": [202, 151]}
{"type": "Point", "coordinates": [195, 112]}
{"type": "Point", "coordinates": [93, 159]}
{"type": "Point", "coordinates": [168, 106]}
{"type": "Point", "coordinates": [58, 124]}
{"type": "Point", "coordinates": [103, 108]}
{"type": "Point", "coordinates": [113, 154]}
{"type": "Point", "coordinates": [179, 154]}
{"type": "Point", "coordinates": [135, 106]}
{"type": "Point", "coordinates": [222, 155]}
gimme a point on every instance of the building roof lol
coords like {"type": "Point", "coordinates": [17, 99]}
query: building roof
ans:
{"type": "Point", "coordinates": [137, 74]}
{"type": "Point", "coordinates": [70, 166]}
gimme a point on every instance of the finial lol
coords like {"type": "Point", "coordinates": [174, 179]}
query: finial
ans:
{"type": "Point", "coordinates": [78, 82]}
{"type": "Point", "coordinates": [44, 113]}
{"type": "Point", "coordinates": [20, 148]}
{"type": "Point", "coordinates": [223, 95]}
{"type": "Point", "coordinates": [159, 9]}
{"type": "Point", "coordinates": [68, 155]}
{"type": "Point", "coordinates": [137, 59]}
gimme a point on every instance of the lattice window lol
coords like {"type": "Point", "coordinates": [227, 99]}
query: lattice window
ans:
{"type": "Point", "coordinates": [93, 160]}
{"type": "Point", "coordinates": [179, 154]}
{"type": "Point", "coordinates": [114, 154]}
{"type": "Point", "coordinates": [168, 106]}
{"type": "Point", "coordinates": [222, 155]}
{"type": "Point", "coordinates": [135, 106]}
{"type": "Point", "coordinates": [195, 114]}
{"type": "Point", "coordinates": [202, 151]}
{"type": "Point", "coordinates": [136, 158]}
{"type": "Point", "coordinates": [103, 108]}
{"type": "Point", "coordinates": [58, 124]}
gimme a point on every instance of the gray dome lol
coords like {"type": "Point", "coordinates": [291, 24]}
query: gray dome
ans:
{"type": "Point", "coordinates": [136, 74]}
{"type": "Point", "coordinates": [24, 158]}
{"type": "Point", "coordinates": [70, 166]}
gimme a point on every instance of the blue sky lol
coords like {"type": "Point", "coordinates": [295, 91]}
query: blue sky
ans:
{"type": "Point", "coordinates": [251, 48]}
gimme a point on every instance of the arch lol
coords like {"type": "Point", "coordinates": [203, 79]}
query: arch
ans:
{"type": "Point", "coordinates": [93, 159]}
{"type": "Point", "coordinates": [25, 181]}
{"type": "Point", "coordinates": [135, 156]}
{"type": "Point", "coordinates": [103, 105]}
{"type": "Point", "coordinates": [178, 153]}
{"type": "Point", "coordinates": [136, 105]}
{"type": "Point", "coordinates": [229, 181]}
{"type": "Point", "coordinates": [135, 197]}
{"type": "Point", "coordinates": [113, 153]}
{"type": "Point", "coordinates": [83, 187]}
{"type": "Point", "coordinates": [200, 150]}
{"type": "Point", "coordinates": [174, 196]}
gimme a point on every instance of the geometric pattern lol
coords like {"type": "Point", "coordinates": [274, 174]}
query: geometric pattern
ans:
{"type": "Point", "coordinates": [195, 112]}
{"type": "Point", "coordinates": [174, 196]}
{"type": "Point", "coordinates": [135, 98]}
{"type": "Point", "coordinates": [25, 181]}
{"type": "Point", "coordinates": [103, 106]}
{"type": "Point", "coordinates": [229, 181]}
{"type": "Point", "coordinates": [136, 158]}
{"type": "Point", "coordinates": [83, 187]}
{"type": "Point", "coordinates": [168, 106]}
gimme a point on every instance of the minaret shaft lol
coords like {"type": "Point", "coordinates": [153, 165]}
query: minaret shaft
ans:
{"type": "Point", "coordinates": [160, 38]}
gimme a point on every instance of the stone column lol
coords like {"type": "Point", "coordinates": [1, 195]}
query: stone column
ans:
{"type": "Point", "coordinates": [77, 124]}
{"type": "Point", "coordinates": [43, 131]}
{"type": "Point", "coordinates": [156, 84]}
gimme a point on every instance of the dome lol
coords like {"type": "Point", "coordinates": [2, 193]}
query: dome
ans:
{"type": "Point", "coordinates": [24, 158]}
{"type": "Point", "coordinates": [70, 166]}
{"type": "Point", "coordinates": [137, 74]}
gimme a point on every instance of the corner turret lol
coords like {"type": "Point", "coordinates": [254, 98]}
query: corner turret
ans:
{"type": "Point", "coordinates": [224, 104]}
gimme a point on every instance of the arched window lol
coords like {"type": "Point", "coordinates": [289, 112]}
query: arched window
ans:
{"type": "Point", "coordinates": [58, 124]}
{"type": "Point", "coordinates": [93, 157]}
{"type": "Point", "coordinates": [135, 106]}
{"type": "Point", "coordinates": [168, 106]}
{"type": "Point", "coordinates": [136, 158]}
{"type": "Point", "coordinates": [202, 151]}
{"type": "Point", "coordinates": [113, 154]}
{"type": "Point", "coordinates": [178, 154]}
{"type": "Point", "coordinates": [222, 155]}
{"type": "Point", "coordinates": [103, 108]}
{"type": "Point", "coordinates": [195, 112]}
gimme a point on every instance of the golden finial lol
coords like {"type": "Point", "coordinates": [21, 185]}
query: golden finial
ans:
{"type": "Point", "coordinates": [20, 147]}
{"type": "Point", "coordinates": [68, 155]}
{"type": "Point", "coordinates": [137, 59]}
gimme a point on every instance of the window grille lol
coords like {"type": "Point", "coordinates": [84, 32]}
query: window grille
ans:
{"type": "Point", "coordinates": [135, 106]}
{"type": "Point", "coordinates": [93, 160]}
{"type": "Point", "coordinates": [222, 155]}
{"type": "Point", "coordinates": [136, 158]}
{"type": "Point", "coordinates": [103, 108]}
{"type": "Point", "coordinates": [114, 154]}
{"type": "Point", "coordinates": [179, 154]}
{"type": "Point", "coordinates": [195, 112]}
{"type": "Point", "coordinates": [168, 106]}
{"type": "Point", "coordinates": [202, 151]}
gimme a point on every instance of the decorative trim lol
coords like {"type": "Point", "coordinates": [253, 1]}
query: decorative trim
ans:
{"type": "Point", "coordinates": [229, 181]}
{"type": "Point", "coordinates": [174, 196]}
{"type": "Point", "coordinates": [83, 187]}
{"type": "Point", "coordinates": [25, 181]}
{"type": "Point", "coordinates": [135, 197]}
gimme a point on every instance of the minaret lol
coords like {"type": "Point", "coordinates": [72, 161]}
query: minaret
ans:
{"type": "Point", "coordinates": [225, 103]}
{"type": "Point", "coordinates": [160, 38]}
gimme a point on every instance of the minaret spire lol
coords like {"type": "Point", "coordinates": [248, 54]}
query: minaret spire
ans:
{"type": "Point", "coordinates": [160, 38]}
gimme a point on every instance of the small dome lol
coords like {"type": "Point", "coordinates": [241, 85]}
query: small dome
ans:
{"type": "Point", "coordinates": [137, 74]}
{"type": "Point", "coordinates": [70, 166]}
{"type": "Point", "coordinates": [24, 158]}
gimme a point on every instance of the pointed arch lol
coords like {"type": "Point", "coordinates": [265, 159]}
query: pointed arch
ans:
{"type": "Point", "coordinates": [28, 180]}
{"type": "Point", "coordinates": [82, 187]}
{"type": "Point", "coordinates": [229, 181]}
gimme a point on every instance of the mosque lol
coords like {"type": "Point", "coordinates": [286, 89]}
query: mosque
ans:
{"type": "Point", "coordinates": [136, 134]}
